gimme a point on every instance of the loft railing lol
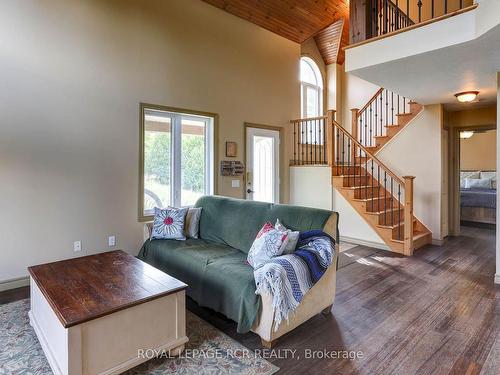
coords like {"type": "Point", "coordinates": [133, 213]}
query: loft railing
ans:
{"type": "Point", "coordinates": [312, 140]}
{"type": "Point", "coordinates": [373, 18]}
{"type": "Point", "coordinates": [374, 119]}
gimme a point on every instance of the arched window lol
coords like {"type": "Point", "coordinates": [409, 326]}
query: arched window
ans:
{"type": "Point", "coordinates": [311, 88]}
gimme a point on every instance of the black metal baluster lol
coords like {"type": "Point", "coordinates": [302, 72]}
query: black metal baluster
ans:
{"type": "Point", "coordinates": [385, 198]}
{"type": "Point", "coordinates": [399, 211]}
{"type": "Point", "coordinates": [445, 6]}
{"type": "Point", "coordinates": [386, 111]}
{"type": "Point", "coordinates": [381, 112]}
{"type": "Point", "coordinates": [432, 8]}
{"type": "Point", "coordinates": [315, 141]}
{"type": "Point", "coordinates": [301, 142]}
{"type": "Point", "coordinates": [376, 122]}
{"type": "Point", "coordinates": [349, 161]}
{"type": "Point", "coordinates": [311, 142]}
{"type": "Point", "coordinates": [392, 109]}
{"type": "Point", "coordinates": [371, 183]}
{"type": "Point", "coordinates": [397, 14]}
{"type": "Point", "coordinates": [419, 5]}
{"type": "Point", "coordinates": [392, 201]}
{"type": "Point", "coordinates": [408, 9]}
{"type": "Point", "coordinates": [343, 152]}
{"type": "Point", "coordinates": [366, 129]}
{"type": "Point", "coordinates": [461, 4]}
{"type": "Point", "coordinates": [369, 139]}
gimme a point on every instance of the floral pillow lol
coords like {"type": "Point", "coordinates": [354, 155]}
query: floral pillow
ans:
{"type": "Point", "coordinates": [293, 237]}
{"type": "Point", "coordinates": [168, 224]}
{"type": "Point", "coordinates": [268, 243]}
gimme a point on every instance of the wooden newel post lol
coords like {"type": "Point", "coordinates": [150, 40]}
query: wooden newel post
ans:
{"type": "Point", "coordinates": [330, 138]}
{"type": "Point", "coordinates": [408, 216]}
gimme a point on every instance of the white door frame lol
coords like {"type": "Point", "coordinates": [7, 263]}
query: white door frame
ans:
{"type": "Point", "coordinates": [267, 131]}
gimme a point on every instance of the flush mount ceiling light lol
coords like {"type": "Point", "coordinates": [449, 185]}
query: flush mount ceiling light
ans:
{"type": "Point", "coordinates": [466, 134]}
{"type": "Point", "coordinates": [466, 96]}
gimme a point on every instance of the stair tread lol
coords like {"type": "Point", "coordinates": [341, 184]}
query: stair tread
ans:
{"type": "Point", "coordinates": [383, 212]}
{"type": "Point", "coordinates": [359, 187]}
{"type": "Point", "coordinates": [392, 126]}
{"type": "Point", "coordinates": [395, 225]}
{"type": "Point", "coordinates": [405, 114]}
{"type": "Point", "coordinates": [381, 136]}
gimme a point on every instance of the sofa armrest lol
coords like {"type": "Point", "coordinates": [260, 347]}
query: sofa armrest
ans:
{"type": "Point", "coordinates": [319, 297]}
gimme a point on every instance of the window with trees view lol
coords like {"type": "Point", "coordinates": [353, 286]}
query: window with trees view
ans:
{"type": "Point", "coordinates": [176, 157]}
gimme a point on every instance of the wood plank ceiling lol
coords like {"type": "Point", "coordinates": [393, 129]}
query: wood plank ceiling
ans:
{"type": "Point", "coordinates": [298, 20]}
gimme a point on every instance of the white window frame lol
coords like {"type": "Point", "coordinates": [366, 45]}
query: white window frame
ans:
{"type": "Point", "coordinates": [318, 88]}
{"type": "Point", "coordinates": [176, 116]}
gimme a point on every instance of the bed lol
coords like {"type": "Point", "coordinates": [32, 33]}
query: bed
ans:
{"type": "Point", "coordinates": [478, 196]}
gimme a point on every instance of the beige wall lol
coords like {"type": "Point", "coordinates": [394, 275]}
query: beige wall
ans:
{"type": "Point", "coordinates": [479, 151]}
{"type": "Point", "coordinates": [418, 150]}
{"type": "Point", "coordinates": [73, 74]}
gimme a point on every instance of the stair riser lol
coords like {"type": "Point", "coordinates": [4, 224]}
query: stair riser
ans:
{"type": "Point", "coordinates": [339, 170]}
{"type": "Point", "coordinates": [367, 192]}
{"type": "Point", "coordinates": [391, 218]}
{"type": "Point", "coordinates": [396, 231]}
{"type": "Point", "coordinates": [392, 131]}
{"type": "Point", "coordinates": [377, 205]}
{"type": "Point", "coordinates": [356, 181]}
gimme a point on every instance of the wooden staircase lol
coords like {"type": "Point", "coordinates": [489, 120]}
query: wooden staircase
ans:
{"type": "Point", "coordinates": [379, 196]}
{"type": "Point", "coordinates": [384, 116]}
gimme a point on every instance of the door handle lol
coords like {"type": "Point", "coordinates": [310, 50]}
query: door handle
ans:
{"type": "Point", "coordinates": [249, 191]}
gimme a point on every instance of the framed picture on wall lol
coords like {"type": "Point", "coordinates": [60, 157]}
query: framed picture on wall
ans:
{"type": "Point", "coordinates": [231, 149]}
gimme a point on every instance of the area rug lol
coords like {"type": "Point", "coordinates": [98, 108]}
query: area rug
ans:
{"type": "Point", "coordinates": [209, 351]}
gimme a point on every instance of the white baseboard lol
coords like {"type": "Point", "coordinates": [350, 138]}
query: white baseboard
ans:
{"type": "Point", "coordinates": [357, 241]}
{"type": "Point", "coordinates": [497, 279]}
{"type": "Point", "coordinates": [437, 242]}
{"type": "Point", "coordinates": [14, 283]}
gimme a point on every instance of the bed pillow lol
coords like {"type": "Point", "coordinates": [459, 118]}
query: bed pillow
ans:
{"type": "Point", "coordinates": [168, 224]}
{"type": "Point", "coordinates": [478, 183]}
{"type": "Point", "coordinates": [267, 244]}
{"type": "Point", "coordinates": [467, 174]}
{"type": "Point", "coordinates": [192, 225]}
{"type": "Point", "coordinates": [492, 176]}
{"type": "Point", "coordinates": [293, 238]}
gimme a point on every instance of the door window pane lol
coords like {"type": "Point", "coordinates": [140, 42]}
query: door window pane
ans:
{"type": "Point", "coordinates": [193, 163]}
{"type": "Point", "coordinates": [157, 161]}
{"type": "Point", "coordinates": [263, 168]}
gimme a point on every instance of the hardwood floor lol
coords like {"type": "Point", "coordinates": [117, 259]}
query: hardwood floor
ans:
{"type": "Point", "coordinates": [437, 312]}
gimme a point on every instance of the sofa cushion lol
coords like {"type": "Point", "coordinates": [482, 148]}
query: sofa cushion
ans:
{"type": "Point", "coordinates": [217, 275]}
{"type": "Point", "coordinates": [236, 222]}
{"type": "Point", "coordinates": [234, 282]}
{"type": "Point", "coordinates": [184, 260]}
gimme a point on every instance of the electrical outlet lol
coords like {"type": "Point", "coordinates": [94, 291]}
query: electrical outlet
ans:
{"type": "Point", "coordinates": [77, 246]}
{"type": "Point", "coordinates": [111, 241]}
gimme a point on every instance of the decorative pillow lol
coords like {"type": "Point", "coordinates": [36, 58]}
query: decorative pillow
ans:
{"type": "Point", "coordinates": [192, 225]}
{"type": "Point", "coordinates": [293, 237]}
{"type": "Point", "coordinates": [168, 224]}
{"type": "Point", "coordinates": [467, 174]}
{"type": "Point", "coordinates": [267, 244]}
{"type": "Point", "coordinates": [492, 176]}
{"type": "Point", "coordinates": [478, 183]}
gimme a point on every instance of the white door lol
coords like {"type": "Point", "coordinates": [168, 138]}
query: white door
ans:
{"type": "Point", "coordinates": [262, 179]}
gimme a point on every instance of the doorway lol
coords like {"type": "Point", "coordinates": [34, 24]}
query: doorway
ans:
{"type": "Point", "coordinates": [262, 163]}
{"type": "Point", "coordinates": [478, 177]}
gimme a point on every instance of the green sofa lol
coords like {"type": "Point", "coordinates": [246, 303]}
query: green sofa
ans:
{"type": "Point", "coordinates": [214, 266]}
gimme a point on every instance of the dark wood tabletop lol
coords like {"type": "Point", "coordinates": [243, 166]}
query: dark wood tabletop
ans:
{"type": "Point", "coordinates": [86, 288]}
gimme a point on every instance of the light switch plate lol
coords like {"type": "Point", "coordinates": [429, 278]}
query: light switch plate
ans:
{"type": "Point", "coordinates": [111, 241]}
{"type": "Point", "coordinates": [235, 183]}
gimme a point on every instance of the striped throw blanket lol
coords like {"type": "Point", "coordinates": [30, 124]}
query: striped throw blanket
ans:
{"type": "Point", "coordinates": [288, 277]}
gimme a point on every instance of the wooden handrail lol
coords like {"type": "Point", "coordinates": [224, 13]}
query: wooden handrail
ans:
{"type": "Point", "coordinates": [309, 119]}
{"type": "Point", "coordinates": [370, 155]}
{"type": "Point", "coordinates": [374, 97]}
